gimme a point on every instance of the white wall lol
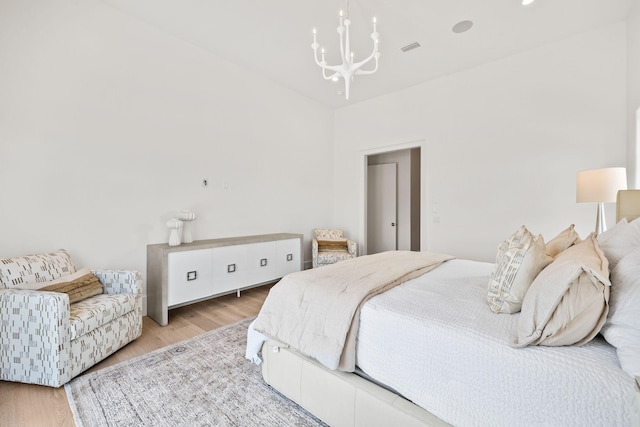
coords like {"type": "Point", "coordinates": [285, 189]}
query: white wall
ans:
{"type": "Point", "coordinates": [108, 126]}
{"type": "Point", "coordinates": [503, 142]}
{"type": "Point", "coordinates": [633, 91]}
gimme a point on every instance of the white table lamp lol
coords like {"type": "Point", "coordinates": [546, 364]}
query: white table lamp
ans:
{"type": "Point", "coordinates": [600, 186]}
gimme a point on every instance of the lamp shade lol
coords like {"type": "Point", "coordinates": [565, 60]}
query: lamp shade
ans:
{"type": "Point", "coordinates": [600, 185]}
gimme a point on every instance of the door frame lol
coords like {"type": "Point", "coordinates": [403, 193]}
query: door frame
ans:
{"type": "Point", "coordinates": [364, 162]}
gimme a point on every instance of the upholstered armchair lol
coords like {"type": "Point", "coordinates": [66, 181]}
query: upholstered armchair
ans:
{"type": "Point", "coordinates": [45, 339]}
{"type": "Point", "coordinates": [330, 246]}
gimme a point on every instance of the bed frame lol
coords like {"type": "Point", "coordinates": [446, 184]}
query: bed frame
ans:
{"type": "Point", "coordinates": [346, 399]}
{"type": "Point", "coordinates": [338, 398]}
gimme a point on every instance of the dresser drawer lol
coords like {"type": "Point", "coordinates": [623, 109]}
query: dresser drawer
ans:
{"type": "Point", "coordinates": [230, 269]}
{"type": "Point", "coordinates": [189, 275]}
{"type": "Point", "coordinates": [288, 256]}
{"type": "Point", "coordinates": [262, 260]}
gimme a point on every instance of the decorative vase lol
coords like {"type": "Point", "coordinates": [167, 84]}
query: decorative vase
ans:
{"type": "Point", "coordinates": [186, 217]}
{"type": "Point", "coordinates": [174, 225]}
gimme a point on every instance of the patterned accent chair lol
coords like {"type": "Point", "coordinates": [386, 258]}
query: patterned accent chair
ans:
{"type": "Point", "coordinates": [44, 339]}
{"type": "Point", "coordinates": [330, 246]}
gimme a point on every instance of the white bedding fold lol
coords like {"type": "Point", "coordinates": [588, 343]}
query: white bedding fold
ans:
{"type": "Point", "coordinates": [254, 343]}
{"type": "Point", "coordinates": [317, 311]}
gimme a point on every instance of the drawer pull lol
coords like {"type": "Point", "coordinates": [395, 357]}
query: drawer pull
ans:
{"type": "Point", "coordinates": [192, 275]}
{"type": "Point", "coordinates": [231, 268]}
{"type": "Point", "coordinates": [263, 262]}
{"type": "Point", "coordinates": [289, 257]}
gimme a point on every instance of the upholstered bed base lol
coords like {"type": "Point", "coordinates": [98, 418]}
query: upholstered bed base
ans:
{"type": "Point", "coordinates": [338, 398]}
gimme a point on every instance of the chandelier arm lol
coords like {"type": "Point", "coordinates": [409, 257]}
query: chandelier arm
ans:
{"type": "Point", "coordinates": [331, 76]}
{"type": "Point", "coordinates": [315, 56]}
{"type": "Point", "coordinates": [364, 72]}
{"type": "Point", "coordinates": [330, 68]}
{"type": "Point", "coordinates": [342, 42]}
{"type": "Point", "coordinates": [357, 65]}
{"type": "Point", "coordinates": [334, 68]}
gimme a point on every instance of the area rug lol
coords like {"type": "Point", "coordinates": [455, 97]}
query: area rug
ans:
{"type": "Point", "coordinates": [204, 381]}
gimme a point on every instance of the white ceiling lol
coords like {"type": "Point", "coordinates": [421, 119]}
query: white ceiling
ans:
{"type": "Point", "coordinates": [273, 38]}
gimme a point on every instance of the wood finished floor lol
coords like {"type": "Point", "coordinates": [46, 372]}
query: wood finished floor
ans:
{"type": "Point", "coordinates": [33, 405]}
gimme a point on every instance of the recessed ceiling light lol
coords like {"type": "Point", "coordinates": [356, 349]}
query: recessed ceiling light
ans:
{"type": "Point", "coordinates": [462, 27]}
{"type": "Point", "coordinates": [527, 2]}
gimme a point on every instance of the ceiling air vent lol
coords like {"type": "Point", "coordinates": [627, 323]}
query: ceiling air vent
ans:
{"type": "Point", "coordinates": [410, 46]}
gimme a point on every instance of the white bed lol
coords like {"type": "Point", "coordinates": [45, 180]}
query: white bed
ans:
{"type": "Point", "coordinates": [433, 341]}
{"type": "Point", "coordinates": [460, 352]}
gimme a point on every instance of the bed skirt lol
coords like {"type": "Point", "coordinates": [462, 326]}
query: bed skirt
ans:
{"type": "Point", "coordinates": [338, 398]}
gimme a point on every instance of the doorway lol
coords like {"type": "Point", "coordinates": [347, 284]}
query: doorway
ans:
{"type": "Point", "coordinates": [393, 200]}
{"type": "Point", "coordinates": [382, 207]}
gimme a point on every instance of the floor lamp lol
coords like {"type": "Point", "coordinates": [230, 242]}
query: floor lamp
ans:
{"type": "Point", "coordinates": [600, 186]}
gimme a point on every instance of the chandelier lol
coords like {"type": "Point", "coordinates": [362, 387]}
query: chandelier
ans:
{"type": "Point", "coordinates": [349, 67]}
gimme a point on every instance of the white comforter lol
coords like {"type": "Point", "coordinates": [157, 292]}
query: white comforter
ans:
{"type": "Point", "coordinates": [317, 311]}
{"type": "Point", "coordinates": [435, 341]}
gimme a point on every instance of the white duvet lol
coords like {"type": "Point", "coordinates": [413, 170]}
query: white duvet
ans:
{"type": "Point", "coordinates": [435, 341]}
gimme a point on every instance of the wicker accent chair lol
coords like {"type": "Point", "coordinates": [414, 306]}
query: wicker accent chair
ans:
{"type": "Point", "coordinates": [46, 340]}
{"type": "Point", "coordinates": [330, 246]}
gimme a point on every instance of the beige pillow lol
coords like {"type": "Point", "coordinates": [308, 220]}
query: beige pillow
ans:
{"type": "Point", "coordinates": [567, 304]}
{"type": "Point", "coordinates": [562, 241]}
{"type": "Point", "coordinates": [80, 285]}
{"type": "Point", "coordinates": [332, 244]}
{"type": "Point", "coordinates": [520, 258]}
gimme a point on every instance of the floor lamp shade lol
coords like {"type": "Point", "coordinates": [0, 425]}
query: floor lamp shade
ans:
{"type": "Point", "coordinates": [600, 186]}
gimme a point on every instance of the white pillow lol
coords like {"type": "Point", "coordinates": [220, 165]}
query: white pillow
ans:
{"type": "Point", "coordinates": [602, 237]}
{"type": "Point", "coordinates": [620, 240]}
{"type": "Point", "coordinates": [622, 329]}
{"type": "Point", "coordinates": [567, 302]}
{"type": "Point", "coordinates": [563, 241]}
{"type": "Point", "coordinates": [519, 260]}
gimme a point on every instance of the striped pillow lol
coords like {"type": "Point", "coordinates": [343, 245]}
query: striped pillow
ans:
{"type": "Point", "coordinates": [520, 259]}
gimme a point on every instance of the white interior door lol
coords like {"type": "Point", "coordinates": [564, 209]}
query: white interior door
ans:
{"type": "Point", "coordinates": [381, 208]}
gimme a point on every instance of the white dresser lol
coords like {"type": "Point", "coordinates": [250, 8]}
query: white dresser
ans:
{"type": "Point", "coordinates": [180, 275]}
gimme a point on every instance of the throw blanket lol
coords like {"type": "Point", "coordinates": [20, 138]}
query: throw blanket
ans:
{"type": "Point", "coordinates": [317, 311]}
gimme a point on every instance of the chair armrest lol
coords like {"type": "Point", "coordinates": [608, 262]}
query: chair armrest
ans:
{"type": "Point", "coordinates": [120, 282]}
{"type": "Point", "coordinates": [50, 309]}
{"type": "Point", "coordinates": [352, 247]}
{"type": "Point", "coordinates": [34, 336]}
